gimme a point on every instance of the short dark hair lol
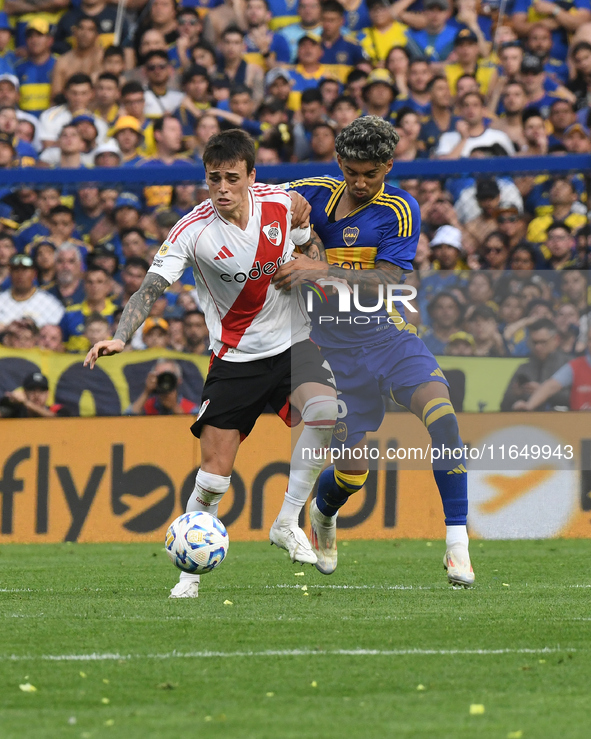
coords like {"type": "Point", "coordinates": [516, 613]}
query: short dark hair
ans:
{"type": "Point", "coordinates": [512, 83]}
{"type": "Point", "coordinates": [78, 79]}
{"type": "Point", "coordinates": [187, 11]}
{"type": "Point", "coordinates": [570, 104]}
{"type": "Point", "coordinates": [240, 90]}
{"type": "Point", "coordinates": [312, 95]}
{"type": "Point", "coordinates": [355, 75]}
{"type": "Point", "coordinates": [193, 312]}
{"type": "Point", "coordinates": [158, 124]}
{"type": "Point", "coordinates": [113, 51]}
{"type": "Point", "coordinates": [228, 147]}
{"type": "Point", "coordinates": [132, 230]}
{"type": "Point", "coordinates": [530, 112]}
{"type": "Point", "coordinates": [474, 93]}
{"type": "Point", "coordinates": [324, 124]}
{"type": "Point", "coordinates": [403, 112]}
{"type": "Point", "coordinates": [90, 18]}
{"type": "Point", "coordinates": [579, 47]}
{"type": "Point", "coordinates": [332, 6]}
{"type": "Point", "coordinates": [5, 235]}
{"type": "Point", "coordinates": [96, 317]}
{"type": "Point", "coordinates": [444, 294]}
{"type": "Point", "coordinates": [483, 311]}
{"type": "Point", "coordinates": [108, 76]}
{"type": "Point", "coordinates": [206, 46]}
{"type": "Point", "coordinates": [96, 268]}
{"type": "Point", "coordinates": [156, 54]}
{"type": "Point", "coordinates": [231, 30]}
{"type": "Point", "coordinates": [131, 87]}
{"type": "Point", "coordinates": [487, 189]}
{"type": "Point", "coordinates": [195, 70]}
{"type": "Point", "coordinates": [434, 79]}
{"type": "Point", "coordinates": [136, 261]}
{"type": "Point", "coordinates": [61, 208]}
{"type": "Point", "coordinates": [344, 100]}
{"type": "Point", "coordinates": [542, 323]}
{"type": "Point", "coordinates": [559, 224]}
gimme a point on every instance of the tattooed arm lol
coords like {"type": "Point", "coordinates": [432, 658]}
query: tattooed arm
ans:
{"type": "Point", "coordinates": [384, 273]}
{"type": "Point", "coordinates": [135, 313]}
{"type": "Point", "coordinates": [314, 248]}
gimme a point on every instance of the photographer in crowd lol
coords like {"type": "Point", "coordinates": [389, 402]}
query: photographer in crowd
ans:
{"type": "Point", "coordinates": [161, 395]}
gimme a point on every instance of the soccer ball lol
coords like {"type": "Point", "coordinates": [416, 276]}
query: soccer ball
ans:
{"type": "Point", "coordinates": [197, 542]}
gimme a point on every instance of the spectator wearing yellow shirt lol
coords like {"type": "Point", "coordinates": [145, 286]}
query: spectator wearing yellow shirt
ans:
{"type": "Point", "coordinates": [308, 71]}
{"type": "Point", "coordinates": [470, 62]}
{"type": "Point", "coordinates": [383, 34]}
{"type": "Point", "coordinates": [564, 207]}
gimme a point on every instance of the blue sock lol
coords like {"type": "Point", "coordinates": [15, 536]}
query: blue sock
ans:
{"type": "Point", "coordinates": [449, 471]}
{"type": "Point", "coordinates": [334, 489]}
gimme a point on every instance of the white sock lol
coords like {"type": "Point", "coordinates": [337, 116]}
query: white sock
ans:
{"type": "Point", "coordinates": [207, 493]}
{"type": "Point", "coordinates": [319, 415]}
{"type": "Point", "coordinates": [456, 535]}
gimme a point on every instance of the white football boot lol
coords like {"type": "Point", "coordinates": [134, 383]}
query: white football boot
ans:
{"type": "Point", "coordinates": [457, 563]}
{"type": "Point", "coordinates": [290, 537]}
{"type": "Point", "coordinates": [186, 588]}
{"type": "Point", "coordinates": [323, 537]}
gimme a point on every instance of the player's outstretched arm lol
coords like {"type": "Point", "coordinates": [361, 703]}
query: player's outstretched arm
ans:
{"type": "Point", "coordinates": [135, 313]}
{"type": "Point", "coordinates": [309, 264]}
{"type": "Point", "coordinates": [384, 273]}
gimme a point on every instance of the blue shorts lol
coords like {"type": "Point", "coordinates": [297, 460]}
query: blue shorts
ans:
{"type": "Point", "coordinates": [365, 374]}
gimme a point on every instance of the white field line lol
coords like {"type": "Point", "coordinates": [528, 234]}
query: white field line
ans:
{"type": "Point", "coordinates": [97, 657]}
{"type": "Point", "coordinates": [440, 586]}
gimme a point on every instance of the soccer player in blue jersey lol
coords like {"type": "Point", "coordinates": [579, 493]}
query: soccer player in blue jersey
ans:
{"type": "Point", "coordinates": [370, 232]}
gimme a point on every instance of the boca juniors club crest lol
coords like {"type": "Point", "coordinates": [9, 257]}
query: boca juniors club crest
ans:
{"type": "Point", "coordinates": [273, 233]}
{"type": "Point", "coordinates": [350, 235]}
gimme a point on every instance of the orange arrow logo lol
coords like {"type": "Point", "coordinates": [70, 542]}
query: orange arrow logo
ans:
{"type": "Point", "coordinates": [511, 488]}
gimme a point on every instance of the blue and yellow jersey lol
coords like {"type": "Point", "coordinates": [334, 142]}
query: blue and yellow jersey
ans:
{"type": "Point", "coordinates": [302, 80]}
{"type": "Point", "coordinates": [35, 84]}
{"type": "Point", "coordinates": [160, 195]}
{"type": "Point", "coordinates": [342, 56]}
{"type": "Point", "coordinates": [559, 35]}
{"type": "Point", "coordinates": [356, 19]}
{"type": "Point", "coordinates": [384, 229]}
{"type": "Point", "coordinates": [279, 47]}
{"type": "Point", "coordinates": [72, 324]}
{"type": "Point", "coordinates": [423, 110]}
{"type": "Point", "coordinates": [8, 60]}
{"type": "Point", "coordinates": [283, 13]}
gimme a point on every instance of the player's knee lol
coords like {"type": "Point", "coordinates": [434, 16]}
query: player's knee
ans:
{"type": "Point", "coordinates": [320, 411]}
{"type": "Point", "coordinates": [445, 430]}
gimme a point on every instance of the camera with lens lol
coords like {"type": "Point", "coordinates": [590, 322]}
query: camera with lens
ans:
{"type": "Point", "coordinates": [9, 408]}
{"type": "Point", "coordinates": [166, 382]}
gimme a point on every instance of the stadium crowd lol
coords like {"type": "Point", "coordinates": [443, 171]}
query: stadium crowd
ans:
{"type": "Point", "coordinates": [501, 266]}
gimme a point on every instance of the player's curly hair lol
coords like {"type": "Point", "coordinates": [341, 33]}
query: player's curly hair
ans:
{"type": "Point", "coordinates": [367, 139]}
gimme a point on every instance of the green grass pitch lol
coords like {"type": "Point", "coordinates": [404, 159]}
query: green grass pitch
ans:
{"type": "Point", "coordinates": [382, 648]}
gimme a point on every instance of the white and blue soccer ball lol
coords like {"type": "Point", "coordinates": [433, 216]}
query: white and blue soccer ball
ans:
{"type": "Point", "coordinates": [197, 542]}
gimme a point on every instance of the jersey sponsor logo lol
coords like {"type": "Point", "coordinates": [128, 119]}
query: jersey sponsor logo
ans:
{"type": "Point", "coordinates": [163, 251]}
{"type": "Point", "coordinates": [269, 268]}
{"type": "Point", "coordinates": [350, 235]}
{"type": "Point", "coordinates": [273, 233]}
{"type": "Point", "coordinates": [224, 253]}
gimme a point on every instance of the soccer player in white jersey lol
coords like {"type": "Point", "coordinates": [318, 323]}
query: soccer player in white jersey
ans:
{"type": "Point", "coordinates": [262, 353]}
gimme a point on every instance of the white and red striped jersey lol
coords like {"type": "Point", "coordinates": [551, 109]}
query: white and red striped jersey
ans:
{"type": "Point", "coordinates": [246, 316]}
